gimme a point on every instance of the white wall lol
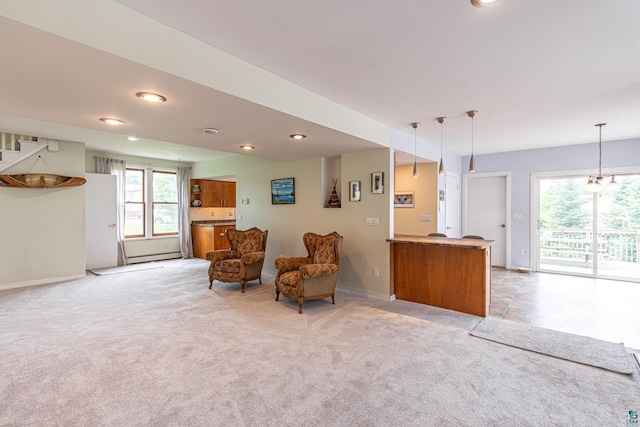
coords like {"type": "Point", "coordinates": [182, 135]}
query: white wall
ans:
{"type": "Point", "coordinates": [43, 230]}
{"type": "Point", "coordinates": [364, 247]}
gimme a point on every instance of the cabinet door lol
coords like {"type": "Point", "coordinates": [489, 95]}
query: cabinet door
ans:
{"type": "Point", "coordinates": [229, 194]}
{"type": "Point", "coordinates": [220, 240]}
{"type": "Point", "coordinates": [203, 241]}
{"type": "Point", "coordinates": [209, 196]}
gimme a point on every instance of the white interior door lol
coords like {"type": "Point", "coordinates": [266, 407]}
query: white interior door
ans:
{"type": "Point", "coordinates": [100, 220]}
{"type": "Point", "coordinates": [486, 213]}
{"type": "Point", "coordinates": [452, 204]}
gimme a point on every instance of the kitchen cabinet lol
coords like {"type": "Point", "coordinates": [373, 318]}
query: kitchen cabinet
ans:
{"type": "Point", "coordinates": [215, 194]}
{"type": "Point", "coordinates": [208, 237]}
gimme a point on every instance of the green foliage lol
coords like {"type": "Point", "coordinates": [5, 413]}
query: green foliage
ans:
{"type": "Point", "coordinates": [623, 209]}
{"type": "Point", "coordinates": [565, 204]}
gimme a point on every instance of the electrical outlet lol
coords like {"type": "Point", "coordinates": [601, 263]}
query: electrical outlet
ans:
{"type": "Point", "coordinates": [213, 213]}
{"type": "Point", "coordinates": [523, 251]}
{"type": "Point", "coordinates": [230, 213]}
{"type": "Point", "coordinates": [376, 272]}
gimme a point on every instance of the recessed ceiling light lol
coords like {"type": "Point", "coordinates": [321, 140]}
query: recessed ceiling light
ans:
{"type": "Point", "coordinates": [110, 121]}
{"type": "Point", "coordinates": [298, 136]}
{"type": "Point", "coordinates": [484, 3]}
{"type": "Point", "coordinates": [211, 131]}
{"type": "Point", "coordinates": [151, 97]}
{"type": "Point", "coordinates": [247, 147]}
{"type": "Point", "coordinates": [133, 138]}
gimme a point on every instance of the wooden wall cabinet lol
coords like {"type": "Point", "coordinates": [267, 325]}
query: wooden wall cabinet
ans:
{"type": "Point", "coordinates": [214, 194]}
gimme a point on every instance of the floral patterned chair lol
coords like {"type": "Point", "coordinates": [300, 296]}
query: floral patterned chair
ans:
{"type": "Point", "coordinates": [243, 261]}
{"type": "Point", "coordinates": [313, 277]}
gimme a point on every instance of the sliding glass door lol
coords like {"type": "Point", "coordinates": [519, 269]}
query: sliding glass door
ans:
{"type": "Point", "coordinates": [588, 233]}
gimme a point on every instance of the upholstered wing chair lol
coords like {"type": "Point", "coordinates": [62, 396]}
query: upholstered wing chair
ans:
{"type": "Point", "coordinates": [243, 261]}
{"type": "Point", "coordinates": [313, 277]}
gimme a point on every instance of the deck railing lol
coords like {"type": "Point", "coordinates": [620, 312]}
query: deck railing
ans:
{"type": "Point", "coordinates": [567, 244]}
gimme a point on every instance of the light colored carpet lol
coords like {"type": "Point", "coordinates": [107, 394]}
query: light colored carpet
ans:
{"type": "Point", "coordinates": [576, 348]}
{"type": "Point", "coordinates": [158, 348]}
{"type": "Point", "coordinates": [125, 268]}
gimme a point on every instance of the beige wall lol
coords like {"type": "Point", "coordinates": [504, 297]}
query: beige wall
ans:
{"type": "Point", "coordinates": [425, 188]}
{"type": "Point", "coordinates": [364, 248]}
{"type": "Point", "coordinates": [43, 232]}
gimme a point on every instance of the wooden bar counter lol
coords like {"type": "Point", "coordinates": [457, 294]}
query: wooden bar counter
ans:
{"type": "Point", "coordinates": [449, 273]}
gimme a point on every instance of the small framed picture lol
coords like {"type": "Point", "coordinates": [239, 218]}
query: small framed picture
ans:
{"type": "Point", "coordinates": [377, 182]}
{"type": "Point", "coordinates": [403, 199]}
{"type": "Point", "coordinates": [283, 191]}
{"type": "Point", "coordinates": [354, 191]}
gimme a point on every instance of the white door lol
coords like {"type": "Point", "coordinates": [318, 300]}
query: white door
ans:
{"type": "Point", "coordinates": [485, 214]}
{"type": "Point", "coordinates": [452, 204]}
{"type": "Point", "coordinates": [100, 209]}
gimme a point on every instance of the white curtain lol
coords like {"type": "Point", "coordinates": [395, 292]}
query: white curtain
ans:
{"type": "Point", "coordinates": [184, 201]}
{"type": "Point", "coordinates": [119, 169]}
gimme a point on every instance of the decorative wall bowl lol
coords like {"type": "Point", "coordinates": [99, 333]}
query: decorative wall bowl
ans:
{"type": "Point", "coordinates": [196, 203]}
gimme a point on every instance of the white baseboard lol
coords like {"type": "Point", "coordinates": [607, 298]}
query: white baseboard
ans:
{"type": "Point", "coordinates": [157, 257]}
{"type": "Point", "coordinates": [47, 281]}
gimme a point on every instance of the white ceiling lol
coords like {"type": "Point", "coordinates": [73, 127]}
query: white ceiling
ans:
{"type": "Point", "coordinates": [540, 73]}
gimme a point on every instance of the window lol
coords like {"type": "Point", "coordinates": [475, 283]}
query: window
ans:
{"type": "Point", "coordinates": [151, 204]}
{"type": "Point", "coordinates": [165, 203]}
{"type": "Point", "coordinates": [134, 207]}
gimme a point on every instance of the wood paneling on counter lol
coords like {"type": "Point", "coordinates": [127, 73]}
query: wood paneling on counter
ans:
{"type": "Point", "coordinates": [446, 273]}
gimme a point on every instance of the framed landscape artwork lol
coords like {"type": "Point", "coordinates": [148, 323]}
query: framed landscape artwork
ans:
{"type": "Point", "coordinates": [283, 191]}
{"type": "Point", "coordinates": [403, 199]}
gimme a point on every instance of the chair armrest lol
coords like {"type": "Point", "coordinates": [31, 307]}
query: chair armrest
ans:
{"type": "Point", "coordinates": [290, 264]}
{"type": "Point", "coordinates": [252, 257]}
{"type": "Point", "coordinates": [317, 270]}
{"type": "Point", "coordinates": [219, 255]}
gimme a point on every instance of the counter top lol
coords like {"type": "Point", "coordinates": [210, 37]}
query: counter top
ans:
{"type": "Point", "coordinates": [212, 223]}
{"type": "Point", "coordinates": [441, 241]}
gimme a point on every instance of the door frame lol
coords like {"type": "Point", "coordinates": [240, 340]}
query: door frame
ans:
{"type": "Point", "coordinates": [534, 202]}
{"type": "Point", "coordinates": [447, 199]}
{"type": "Point", "coordinates": [507, 207]}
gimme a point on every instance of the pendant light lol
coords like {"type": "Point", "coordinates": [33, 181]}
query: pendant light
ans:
{"type": "Point", "coordinates": [415, 125]}
{"type": "Point", "coordinates": [472, 163]}
{"type": "Point", "coordinates": [594, 183]}
{"type": "Point", "coordinates": [441, 120]}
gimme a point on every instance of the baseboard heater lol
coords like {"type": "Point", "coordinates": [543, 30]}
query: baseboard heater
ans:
{"type": "Point", "coordinates": [154, 257]}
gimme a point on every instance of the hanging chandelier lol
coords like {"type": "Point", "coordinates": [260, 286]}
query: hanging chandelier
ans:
{"type": "Point", "coordinates": [595, 183]}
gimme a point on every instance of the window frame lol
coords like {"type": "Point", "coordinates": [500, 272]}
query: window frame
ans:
{"type": "Point", "coordinates": [148, 203]}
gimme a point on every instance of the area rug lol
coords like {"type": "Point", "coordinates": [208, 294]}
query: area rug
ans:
{"type": "Point", "coordinates": [576, 348]}
{"type": "Point", "coordinates": [125, 268]}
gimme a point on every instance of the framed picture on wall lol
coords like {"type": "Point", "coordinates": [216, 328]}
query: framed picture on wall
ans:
{"type": "Point", "coordinates": [403, 199]}
{"type": "Point", "coordinates": [377, 183]}
{"type": "Point", "coordinates": [354, 191]}
{"type": "Point", "coordinates": [283, 191]}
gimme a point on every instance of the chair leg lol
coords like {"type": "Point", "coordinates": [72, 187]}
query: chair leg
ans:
{"type": "Point", "coordinates": [277, 294]}
{"type": "Point", "coordinates": [260, 280]}
{"type": "Point", "coordinates": [242, 282]}
{"type": "Point", "coordinates": [333, 300]}
{"type": "Point", "coordinates": [210, 283]}
{"type": "Point", "coordinates": [300, 302]}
